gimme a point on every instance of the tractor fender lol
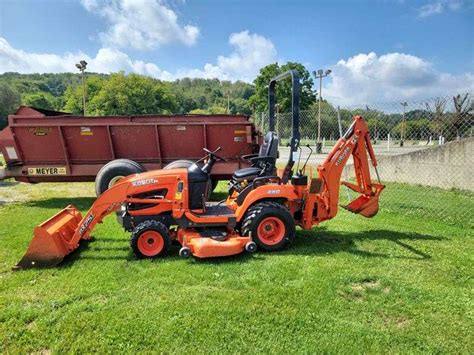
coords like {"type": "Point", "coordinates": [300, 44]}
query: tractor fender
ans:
{"type": "Point", "coordinates": [265, 192]}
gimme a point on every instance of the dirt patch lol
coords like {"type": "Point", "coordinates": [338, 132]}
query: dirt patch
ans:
{"type": "Point", "coordinates": [367, 284]}
{"type": "Point", "coordinates": [42, 352]}
{"type": "Point", "coordinates": [397, 322]}
{"type": "Point", "coordinates": [7, 200]}
{"type": "Point", "coordinates": [31, 325]}
{"type": "Point", "coordinates": [357, 291]}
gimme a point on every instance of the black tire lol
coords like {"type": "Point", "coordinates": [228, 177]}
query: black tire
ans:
{"type": "Point", "coordinates": [177, 164]}
{"type": "Point", "coordinates": [113, 170]}
{"type": "Point", "coordinates": [272, 214]}
{"type": "Point", "coordinates": [150, 229]}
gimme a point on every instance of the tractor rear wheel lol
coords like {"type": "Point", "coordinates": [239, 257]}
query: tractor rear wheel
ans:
{"type": "Point", "coordinates": [270, 225]}
{"type": "Point", "coordinates": [150, 239]}
{"type": "Point", "coordinates": [177, 164]}
{"type": "Point", "coordinates": [113, 171]}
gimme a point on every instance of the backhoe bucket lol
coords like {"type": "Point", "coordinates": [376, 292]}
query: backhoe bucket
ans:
{"type": "Point", "coordinates": [366, 205]}
{"type": "Point", "coordinates": [50, 243]}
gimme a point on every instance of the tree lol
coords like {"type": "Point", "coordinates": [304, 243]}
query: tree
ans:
{"type": "Point", "coordinates": [39, 100]}
{"type": "Point", "coordinates": [463, 119]}
{"type": "Point", "coordinates": [217, 110]}
{"type": "Point", "coordinates": [63, 92]}
{"type": "Point", "coordinates": [436, 110]}
{"type": "Point", "coordinates": [132, 94]}
{"type": "Point", "coordinates": [240, 106]}
{"type": "Point", "coordinates": [73, 96]}
{"type": "Point", "coordinates": [329, 124]}
{"type": "Point", "coordinates": [9, 102]}
{"type": "Point", "coordinates": [198, 111]}
{"type": "Point", "coordinates": [260, 99]}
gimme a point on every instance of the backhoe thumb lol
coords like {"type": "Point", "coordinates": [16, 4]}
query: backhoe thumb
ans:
{"type": "Point", "coordinates": [366, 204]}
{"type": "Point", "coordinates": [50, 243]}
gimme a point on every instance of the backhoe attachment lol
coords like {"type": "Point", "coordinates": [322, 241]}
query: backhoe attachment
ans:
{"type": "Point", "coordinates": [366, 204]}
{"type": "Point", "coordinates": [355, 142]}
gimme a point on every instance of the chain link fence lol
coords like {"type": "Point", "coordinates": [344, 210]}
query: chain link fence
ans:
{"type": "Point", "coordinates": [422, 147]}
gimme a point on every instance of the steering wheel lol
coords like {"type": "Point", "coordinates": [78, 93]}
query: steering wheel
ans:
{"type": "Point", "coordinates": [213, 154]}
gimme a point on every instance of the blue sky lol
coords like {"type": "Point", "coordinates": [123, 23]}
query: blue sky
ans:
{"type": "Point", "coordinates": [376, 49]}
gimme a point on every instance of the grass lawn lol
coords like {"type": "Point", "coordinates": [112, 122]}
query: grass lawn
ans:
{"type": "Point", "coordinates": [400, 282]}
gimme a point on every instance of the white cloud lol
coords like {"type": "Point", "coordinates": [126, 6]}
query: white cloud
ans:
{"type": "Point", "coordinates": [105, 61]}
{"type": "Point", "coordinates": [368, 78]}
{"type": "Point", "coordinates": [251, 52]}
{"type": "Point", "coordinates": [430, 9]}
{"type": "Point", "coordinates": [140, 24]}
{"type": "Point", "coordinates": [438, 7]}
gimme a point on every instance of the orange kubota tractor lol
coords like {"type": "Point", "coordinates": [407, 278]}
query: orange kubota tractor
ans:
{"type": "Point", "coordinates": [261, 211]}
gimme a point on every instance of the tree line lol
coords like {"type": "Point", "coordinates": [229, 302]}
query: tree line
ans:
{"type": "Point", "coordinates": [133, 94]}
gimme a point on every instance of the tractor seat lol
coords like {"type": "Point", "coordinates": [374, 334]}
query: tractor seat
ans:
{"type": "Point", "coordinates": [246, 173]}
{"type": "Point", "coordinates": [262, 164]}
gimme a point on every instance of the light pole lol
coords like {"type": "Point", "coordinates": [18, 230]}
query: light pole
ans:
{"type": "Point", "coordinates": [402, 128]}
{"type": "Point", "coordinates": [228, 101]}
{"type": "Point", "coordinates": [82, 67]}
{"type": "Point", "coordinates": [320, 74]}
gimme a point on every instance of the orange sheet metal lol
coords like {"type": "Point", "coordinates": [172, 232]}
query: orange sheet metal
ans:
{"type": "Point", "coordinates": [50, 242]}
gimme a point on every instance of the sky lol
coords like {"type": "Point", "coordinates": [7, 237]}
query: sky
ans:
{"type": "Point", "coordinates": [378, 51]}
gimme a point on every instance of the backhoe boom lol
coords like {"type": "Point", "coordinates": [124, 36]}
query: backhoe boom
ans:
{"type": "Point", "coordinates": [355, 143]}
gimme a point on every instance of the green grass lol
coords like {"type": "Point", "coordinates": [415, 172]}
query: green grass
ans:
{"type": "Point", "coordinates": [399, 282]}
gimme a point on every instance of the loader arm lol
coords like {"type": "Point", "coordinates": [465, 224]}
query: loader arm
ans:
{"type": "Point", "coordinates": [62, 233]}
{"type": "Point", "coordinates": [355, 143]}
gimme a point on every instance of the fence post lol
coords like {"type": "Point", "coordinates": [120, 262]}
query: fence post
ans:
{"type": "Point", "coordinates": [388, 142]}
{"type": "Point", "coordinates": [339, 121]}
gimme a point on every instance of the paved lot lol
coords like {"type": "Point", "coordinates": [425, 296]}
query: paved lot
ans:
{"type": "Point", "coordinates": [380, 150]}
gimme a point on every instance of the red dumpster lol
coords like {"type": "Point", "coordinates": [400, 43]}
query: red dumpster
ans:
{"type": "Point", "coordinates": [48, 146]}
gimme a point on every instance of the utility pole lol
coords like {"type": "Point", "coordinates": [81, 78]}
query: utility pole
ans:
{"type": "Point", "coordinates": [82, 67]}
{"type": "Point", "coordinates": [402, 128]}
{"type": "Point", "coordinates": [320, 74]}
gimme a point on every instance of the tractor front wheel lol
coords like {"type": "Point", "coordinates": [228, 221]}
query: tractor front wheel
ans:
{"type": "Point", "coordinates": [270, 225]}
{"type": "Point", "coordinates": [150, 239]}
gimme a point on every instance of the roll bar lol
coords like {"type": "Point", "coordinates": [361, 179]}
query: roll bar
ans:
{"type": "Point", "coordinates": [295, 115]}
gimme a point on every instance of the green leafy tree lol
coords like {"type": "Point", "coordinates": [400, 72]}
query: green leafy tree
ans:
{"type": "Point", "coordinates": [132, 95]}
{"type": "Point", "coordinates": [329, 124]}
{"type": "Point", "coordinates": [73, 96]}
{"type": "Point", "coordinates": [240, 106]}
{"type": "Point", "coordinates": [10, 100]}
{"type": "Point", "coordinates": [39, 100]}
{"type": "Point", "coordinates": [215, 110]}
{"type": "Point", "coordinates": [259, 100]}
{"type": "Point", "coordinates": [199, 111]}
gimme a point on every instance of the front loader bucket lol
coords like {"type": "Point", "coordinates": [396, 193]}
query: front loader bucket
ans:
{"type": "Point", "coordinates": [366, 205]}
{"type": "Point", "coordinates": [50, 243]}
